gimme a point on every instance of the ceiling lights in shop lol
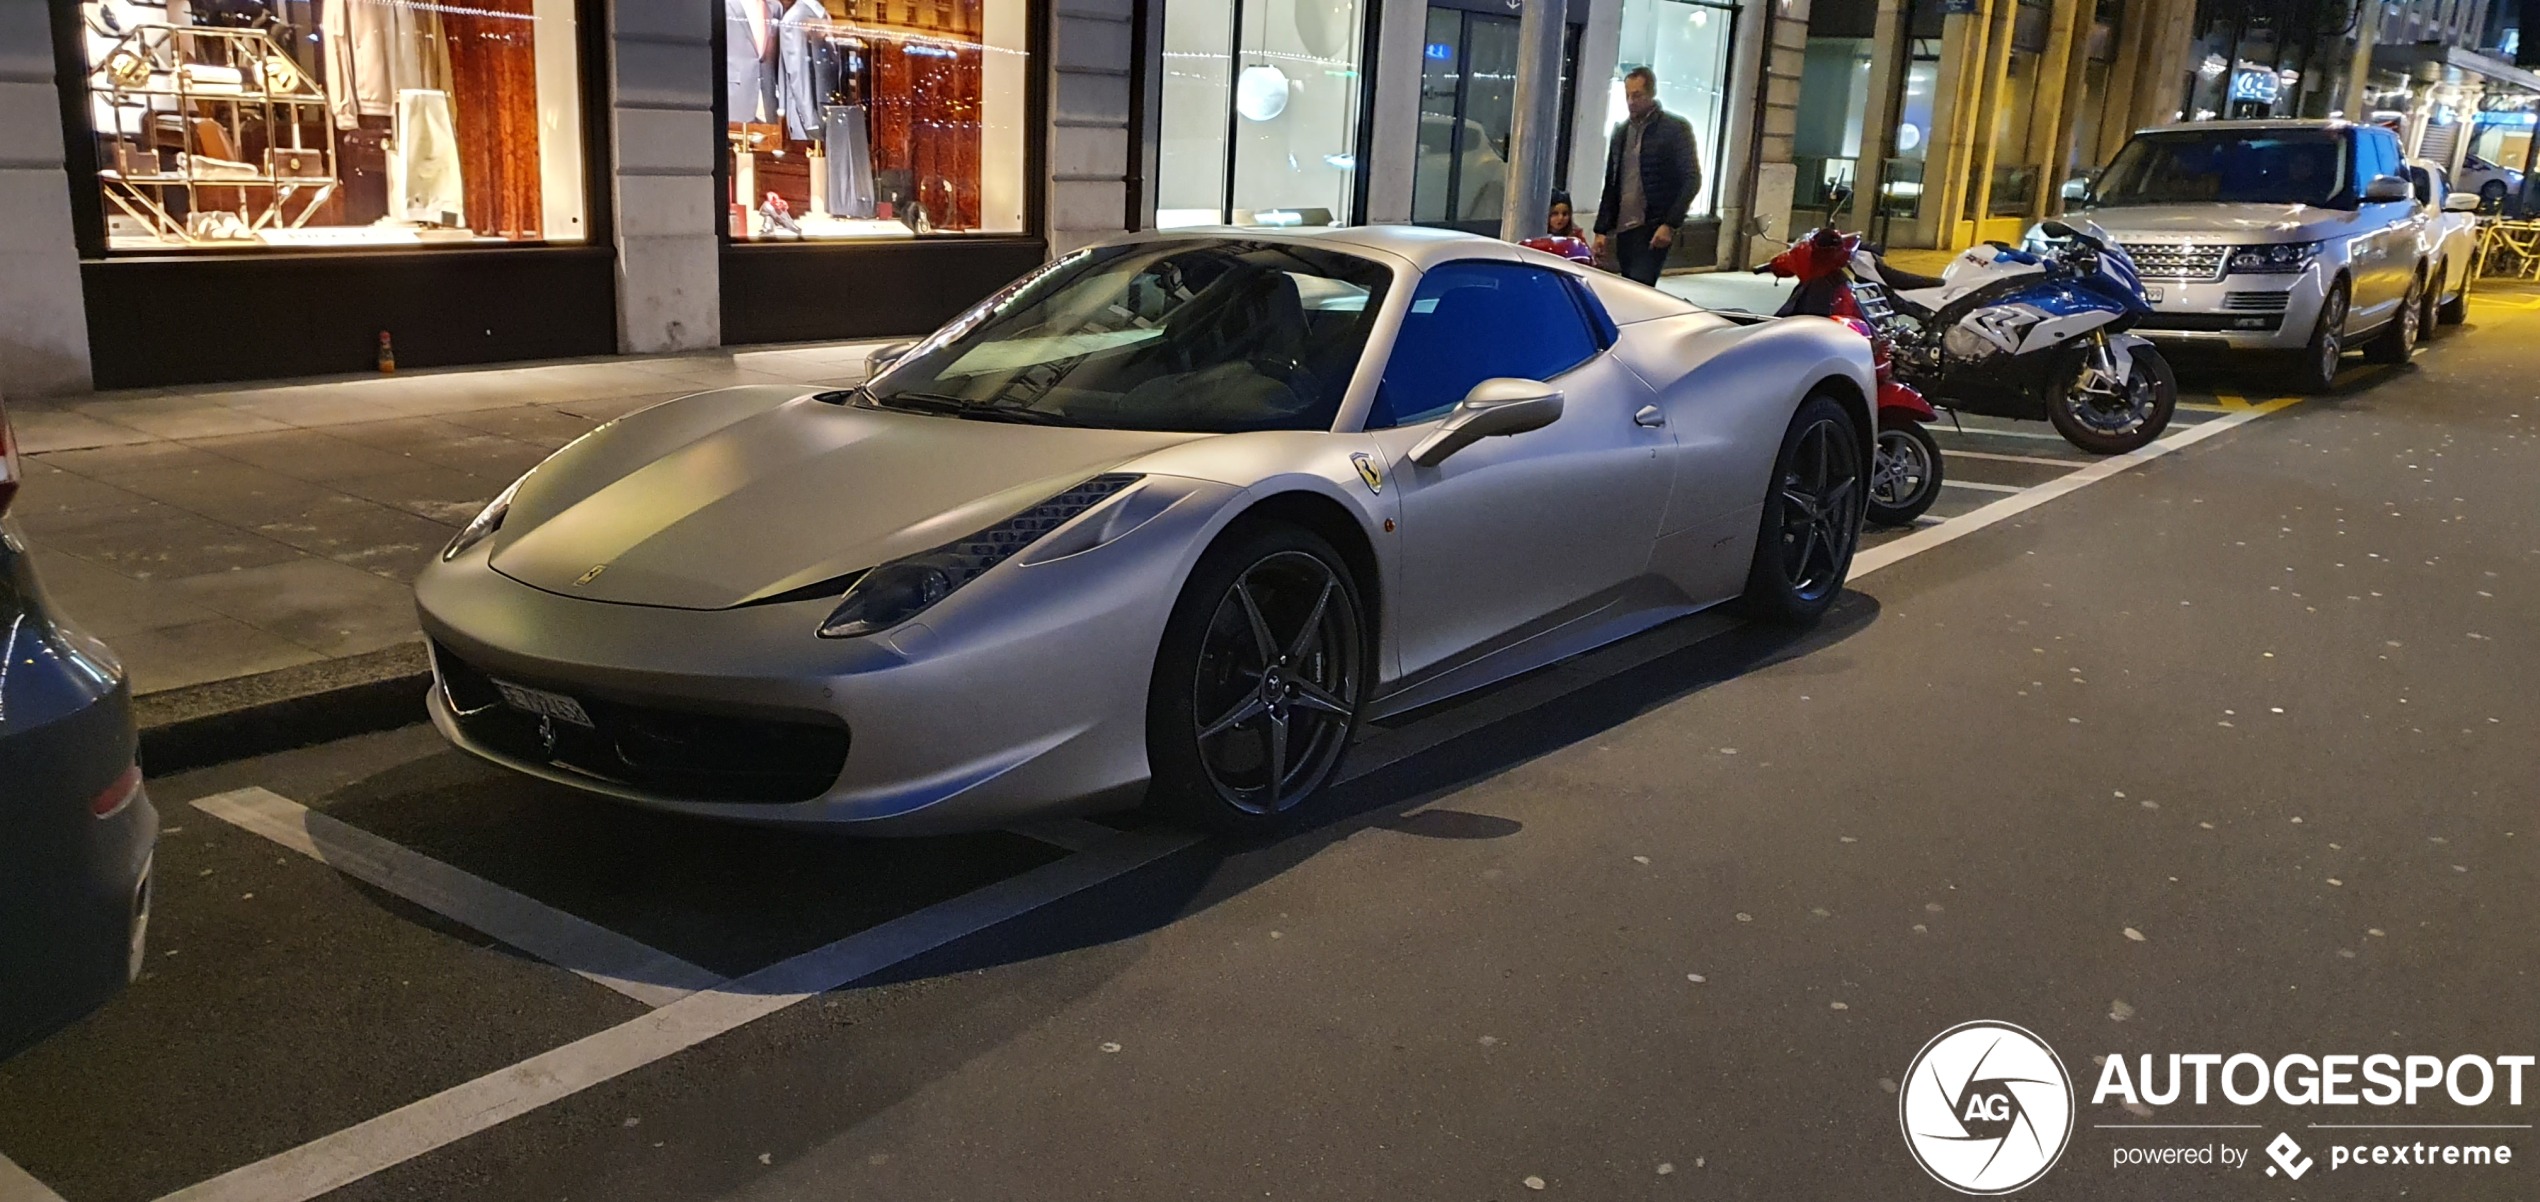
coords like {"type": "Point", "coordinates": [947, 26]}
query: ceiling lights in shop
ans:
{"type": "Point", "coordinates": [1261, 93]}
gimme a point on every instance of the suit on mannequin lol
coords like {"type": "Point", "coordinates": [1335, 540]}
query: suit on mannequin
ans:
{"type": "Point", "coordinates": [798, 93]}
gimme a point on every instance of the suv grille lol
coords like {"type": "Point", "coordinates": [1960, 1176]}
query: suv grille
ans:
{"type": "Point", "coordinates": [2255, 302]}
{"type": "Point", "coordinates": [2178, 261]}
{"type": "Point", "coordinates": [680, 754]}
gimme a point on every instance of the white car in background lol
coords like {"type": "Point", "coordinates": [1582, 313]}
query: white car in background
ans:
{"type": "Point", "coordinates": [2489, 182]}
{"type": "Point", "coordinates": [2450, 245]}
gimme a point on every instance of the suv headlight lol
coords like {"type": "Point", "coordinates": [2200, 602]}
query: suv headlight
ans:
{"type": "Point", "coordinates": [2282, 258]}
{"type": "Point", "coordinates": [487, 521]}
{"type": "Point", "coordinates": [903, 588]}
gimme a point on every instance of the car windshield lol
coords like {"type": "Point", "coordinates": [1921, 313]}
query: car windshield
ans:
{"type": "Point", "coordinates": [2231, 166]}
{"type": "Point", "coordinates": [1211, 336]}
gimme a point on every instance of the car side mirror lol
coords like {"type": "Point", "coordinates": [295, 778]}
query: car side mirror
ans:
{"type": "Point", "coordinates": [2384, 188]}
{"type": "Point", "coordinates": [1498, 406]}
{"type": "Point", "coordinates": [881, 360]}
{"type": "Point", "coordinates": [2461, 202]}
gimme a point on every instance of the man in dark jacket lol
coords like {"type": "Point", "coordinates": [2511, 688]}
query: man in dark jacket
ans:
{"type": "Point", "coordinates": [1650, 179]}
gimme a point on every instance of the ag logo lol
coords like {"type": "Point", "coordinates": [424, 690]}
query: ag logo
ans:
{"type": "Point", "coordinates": [1987, 1108]}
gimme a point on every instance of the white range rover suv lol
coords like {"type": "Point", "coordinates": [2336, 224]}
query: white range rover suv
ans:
{"type": "Point", "coordinates": [2300, 237]}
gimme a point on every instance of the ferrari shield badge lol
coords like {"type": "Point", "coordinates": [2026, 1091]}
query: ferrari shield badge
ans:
{"type": "Point", "coordinates": [593, 574]}
{"type": "Point", "coordinates": [1369, 472]}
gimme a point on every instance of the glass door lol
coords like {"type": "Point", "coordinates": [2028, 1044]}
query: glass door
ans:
{"type": "Point", "coordinates": [1468, 105]}
{"type": "Point", "coordinates": [1259, 124]}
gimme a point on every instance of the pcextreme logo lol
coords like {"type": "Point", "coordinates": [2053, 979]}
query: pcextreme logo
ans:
{"type": "Point", "coordinates": [1986, 1108]}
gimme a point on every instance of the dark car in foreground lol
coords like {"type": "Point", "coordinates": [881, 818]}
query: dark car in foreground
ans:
{"type": "Point", "coordinates": [76, 827]}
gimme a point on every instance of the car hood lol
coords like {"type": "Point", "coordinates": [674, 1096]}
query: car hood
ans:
{"type": "Point", "coordinates": [766, 499]}
{"type": "Point", "coordinates": [2233, 223]}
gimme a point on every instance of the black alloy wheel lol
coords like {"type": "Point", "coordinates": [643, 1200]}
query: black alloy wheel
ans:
{"type": "Point", "coordinates": [1812, 516]}
{"type": "Point", "coordinates": [1259, 681]}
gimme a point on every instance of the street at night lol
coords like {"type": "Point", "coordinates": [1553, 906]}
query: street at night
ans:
{"type": "Point", "coordinates": [2217, 749]}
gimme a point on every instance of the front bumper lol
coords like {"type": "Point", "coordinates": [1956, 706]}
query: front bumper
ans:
{"type": "Point", "coordinates": [1023, 695]}
{"type": "Point", "coordinates": [2236, 312]}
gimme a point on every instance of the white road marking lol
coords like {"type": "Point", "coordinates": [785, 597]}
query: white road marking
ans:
{"type": "Point", "coordinates": [334, 1161]}
{"type": "Point", "coordinates": [1889, 553]}
{"type": "Point", "coordinates": [1997, 457]}
{"type": "Point", "coordinates": [1979, 486]}
{"type": "Point", "coordinates": [1996, 432]}
{"type": "Point", "coordinates": [18, 1185]}
{"type": "Point", "coordinates": [586, 948]}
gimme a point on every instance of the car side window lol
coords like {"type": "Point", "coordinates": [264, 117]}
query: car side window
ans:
{"type": "Point", "coordinates": [1471, 321]}
{"type": "Point", "coordinates": [2422, 180]}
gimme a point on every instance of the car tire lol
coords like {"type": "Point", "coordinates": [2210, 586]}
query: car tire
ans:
{"type": "Point", "coordinates": [2398, 340]}
{"type": "Point", "coordinates": [1812, 516]}
{"type": "Point", "coordinates": [1905, 472]}
{"type": "Point", "coordinates": [2456, 310]}
{"type": "Point", "coordinates": [2316, 370]}
{"type": "Point", "coordinates": [1266, 647]}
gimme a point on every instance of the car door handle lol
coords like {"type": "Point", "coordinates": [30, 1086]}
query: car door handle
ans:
{"type": "Point", "coordinates": [1649, 416]}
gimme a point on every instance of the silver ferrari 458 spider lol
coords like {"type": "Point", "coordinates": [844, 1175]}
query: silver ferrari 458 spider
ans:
{"type": "Point", "coordinates": [1164, 520]}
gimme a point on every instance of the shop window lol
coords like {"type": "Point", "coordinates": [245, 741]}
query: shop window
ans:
{"type": "Point", "coordinates": [1686, 44]}
{"type": "Point", "coordinates": [247, 124]}
{"type": "Point", "coordinates": [861, 119]}
{"type": "Point", "coordinates": [1260, 114]}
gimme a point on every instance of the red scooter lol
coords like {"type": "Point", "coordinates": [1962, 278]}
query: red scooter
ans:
{"type": "Point", "coordinates": [1905, 473]}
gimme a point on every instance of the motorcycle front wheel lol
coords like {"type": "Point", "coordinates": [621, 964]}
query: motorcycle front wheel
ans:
{"type": "Point", "coordinates": [1904, 473]}
{"type": "Point", "coordinates": [2111, 423]}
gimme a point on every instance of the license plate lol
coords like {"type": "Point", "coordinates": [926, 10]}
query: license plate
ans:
{"type": "Point", "coordinates": [2152, 293]}
{"type": "Point", "coordinates": [543, 703]}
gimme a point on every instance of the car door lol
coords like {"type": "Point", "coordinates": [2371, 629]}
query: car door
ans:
{"type": "Point", "coordinates": [2389, 231]}
{"type": "Point", "coordinates": [1513, 529]}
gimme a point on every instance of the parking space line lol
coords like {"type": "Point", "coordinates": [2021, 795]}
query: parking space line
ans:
{"type": "Point", "coordinates": [1885, 554]}
{"type": "Point", "coordinates": [1993, 432]}
{"type": "Point", "coordinates": [592, 951]}
{"type": "Point", "coordinates": [2039, 460]}
{"type": "Point", "coordinates": [334, 1161]}
{"type": "Point", "coordinates": [18, 1185]}
{"type": "Point", "coordinates": [1980, 486]}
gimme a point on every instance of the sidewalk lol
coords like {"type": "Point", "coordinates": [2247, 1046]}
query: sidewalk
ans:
{"type": "Point", "coordinates": [218, 532]}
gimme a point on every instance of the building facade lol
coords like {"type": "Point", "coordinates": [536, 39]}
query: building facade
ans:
{"type": "Point", "coordinates": [202, 190]}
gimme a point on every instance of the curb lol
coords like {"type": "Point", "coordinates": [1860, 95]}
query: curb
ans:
{"type": "Point", "coordinates": [222, 720]}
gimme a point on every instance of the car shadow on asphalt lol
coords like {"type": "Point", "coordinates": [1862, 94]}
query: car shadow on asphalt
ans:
{"type": "Point", "coordinates": [1395, 796]}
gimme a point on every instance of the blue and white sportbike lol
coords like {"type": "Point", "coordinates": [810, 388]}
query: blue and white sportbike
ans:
{"type": "Point", "coordinates": [2029, 333]}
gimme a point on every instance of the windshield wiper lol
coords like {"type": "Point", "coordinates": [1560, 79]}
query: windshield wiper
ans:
{"type": "Point", "coordinates": [976, 410]}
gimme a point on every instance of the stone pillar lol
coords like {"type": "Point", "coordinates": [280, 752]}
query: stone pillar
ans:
{"type": "Point", "coordinates": [1888, 63]}
{"type": "Point", "coordinates": [2125, 75]}
{"type": "Point", "coordinates": [1988, 115]}
{"type": "Point", "coordinates": [2050, 130]}
{"type": "Point", "coordinates": [1090, 79]}
{"type": "Point", "coordinates": [663, 142]}
{"type": "Point", "coordinates": [43, 316]}
{"type": "Point", "coordinates": [1956, 95]}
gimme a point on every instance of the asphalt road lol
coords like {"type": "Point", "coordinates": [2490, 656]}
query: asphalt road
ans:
{"type": "Point", "coordinates": [2231, 751]}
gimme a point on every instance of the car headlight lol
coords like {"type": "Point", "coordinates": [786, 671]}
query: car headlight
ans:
{"type": "Point", "coordinates": [903, 588]}
{"type": "Point", "coordinates": [2282, 258]}
{"type": "Point", "coordinates": [487, 521]}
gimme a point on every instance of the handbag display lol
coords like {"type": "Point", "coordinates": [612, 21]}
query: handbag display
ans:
{"type": "Point", "coordinates": [295, 165]}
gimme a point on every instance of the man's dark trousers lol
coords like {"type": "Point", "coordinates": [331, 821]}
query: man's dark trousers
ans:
{"type": "Point", "coordinates": [1636, 258]}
